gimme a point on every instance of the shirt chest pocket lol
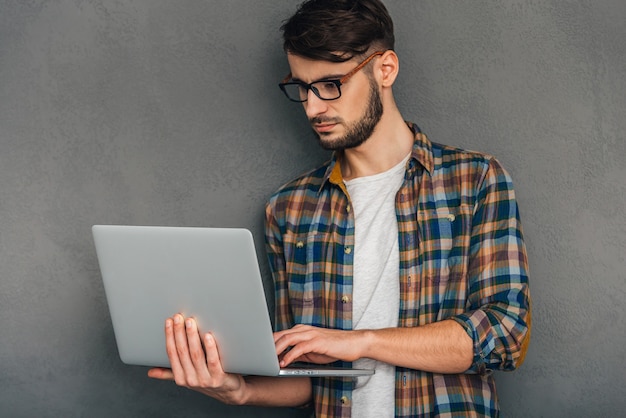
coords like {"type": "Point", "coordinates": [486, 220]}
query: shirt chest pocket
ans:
{"type": "Point", "coordinates": [444, 242]}
{"type": "Point", "coordinates": [308, 258]}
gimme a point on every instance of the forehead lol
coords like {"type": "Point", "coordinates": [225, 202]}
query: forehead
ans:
{"type": "Point", "coordinates": [308, 70]}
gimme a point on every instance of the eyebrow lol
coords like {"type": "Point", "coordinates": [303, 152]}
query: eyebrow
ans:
{"type": "Point", "coordinates": [325, 78]}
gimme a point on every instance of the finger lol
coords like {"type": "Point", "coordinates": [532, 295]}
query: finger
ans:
{"type": "Point", "coordinates": [196, 351]}
{"type": "Point", "coordinates": [278, 335]}
{"type": "Point", "coordinates": [213, 361]}
{"type": "Point", "coordinates": [292, 349]}
{"type": "Point", "coordinates": [182, 350]}
{"type": "Point", "coordinates": [290, 337]}
{"type": "Point", "coordinates": [296, 329]}
{"type": "Point", "coordinates": [283, 347]}
{"type": "Point", "coordinates": [170, 347]}
{"type": "Point", "coordinates": [307, 344]}
{"type": "Point", "coordinates": [296, 353]}
{"type": "Point", "coordinates": [161, 373]}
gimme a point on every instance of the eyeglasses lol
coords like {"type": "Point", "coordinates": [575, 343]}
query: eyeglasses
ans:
{"type": "Point", "coordinates": [298, 91]}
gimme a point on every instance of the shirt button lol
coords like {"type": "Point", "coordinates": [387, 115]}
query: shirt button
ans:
{"type": "Point", "coordinates": [299, 244]}
{"type": "Point", "coordinates": [348, 250]}
{"type": "Point", "coordinates": [344, 400]}
{"type": "Point", "coordinates": [345, 299]}
{"type": "Point", "coordinates": [451, 217]}
{"type": "Point", "coordinates": [348, 209]}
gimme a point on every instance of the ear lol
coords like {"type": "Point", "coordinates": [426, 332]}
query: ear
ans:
{"type": "Point", "coordinates": [390, 66]}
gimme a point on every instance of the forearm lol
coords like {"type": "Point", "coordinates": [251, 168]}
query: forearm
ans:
{"type": "Point", "coordinates": [442, 347]}
{"type": "Point", "coordinates": [277, 391]}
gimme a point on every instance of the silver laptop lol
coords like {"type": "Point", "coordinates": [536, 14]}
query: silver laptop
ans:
{"type": "Point", "coordinates": [212, 274]}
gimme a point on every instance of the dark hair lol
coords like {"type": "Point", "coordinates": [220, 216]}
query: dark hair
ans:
{"type": "Point", "coordinates": [338, 30]}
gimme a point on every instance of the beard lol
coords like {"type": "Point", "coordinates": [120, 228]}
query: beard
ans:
{"type": "Point", "coordinates": [357, 132]}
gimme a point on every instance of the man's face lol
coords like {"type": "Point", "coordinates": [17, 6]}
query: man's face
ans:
{"type": "Point", "coordinates": [346, 122]}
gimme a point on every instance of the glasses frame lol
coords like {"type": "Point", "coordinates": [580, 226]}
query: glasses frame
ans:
{"type": "Point", "coordinates": [337, 82]}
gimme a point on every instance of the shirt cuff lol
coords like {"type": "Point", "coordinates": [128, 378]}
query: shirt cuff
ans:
{"type": "Point", "coordinates": [478, 327]}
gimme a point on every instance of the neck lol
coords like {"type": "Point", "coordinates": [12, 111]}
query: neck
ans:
{"type": "Point", "coordinates": [391, 141]}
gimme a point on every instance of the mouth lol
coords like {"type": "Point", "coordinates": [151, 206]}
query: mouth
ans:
{"type": "Point", "coordinates": [324, 127]}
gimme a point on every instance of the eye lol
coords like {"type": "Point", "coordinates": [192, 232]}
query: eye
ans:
{"type": "Point", "coordinates": [326, 86]}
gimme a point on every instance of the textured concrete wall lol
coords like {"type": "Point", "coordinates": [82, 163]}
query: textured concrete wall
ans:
{"type": "Point", "coordinates": [167, 112]}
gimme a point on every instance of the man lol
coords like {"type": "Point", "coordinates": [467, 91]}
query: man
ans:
{"type": "Point", "coordinates": [398, 254]}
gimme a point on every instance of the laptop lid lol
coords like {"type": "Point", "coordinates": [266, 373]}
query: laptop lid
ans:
{"type": "Point", "coordinates": [212, 274]}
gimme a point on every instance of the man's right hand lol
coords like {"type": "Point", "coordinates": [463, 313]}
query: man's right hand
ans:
{"type": "Point", "coordinates": [196, 364]}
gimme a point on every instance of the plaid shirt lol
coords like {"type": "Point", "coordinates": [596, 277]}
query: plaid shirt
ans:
{"type": "Point", "coordinates": [462, 257]}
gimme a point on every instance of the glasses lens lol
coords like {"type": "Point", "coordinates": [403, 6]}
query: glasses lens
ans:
{"type": "Point", "coordinates": [295, 92]}
{"type": "Point", "coordinates": [327, 90]}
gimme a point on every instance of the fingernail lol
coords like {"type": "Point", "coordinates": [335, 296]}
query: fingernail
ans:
{"type": "Point", "coordinates": [188, 323]}
{"type": "Point", "coordinates": [177, 319]}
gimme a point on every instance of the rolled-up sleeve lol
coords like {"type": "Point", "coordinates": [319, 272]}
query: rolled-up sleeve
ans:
{"type": "Point", "coordinates": [498, 318]}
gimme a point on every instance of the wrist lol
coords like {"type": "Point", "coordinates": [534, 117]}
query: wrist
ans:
{"type": "Point", "coordinates": [365, 343]}
{"type": "Point", "coordinates": [242, 394]}
{"type": "Point", "coordinates": [233, 392]}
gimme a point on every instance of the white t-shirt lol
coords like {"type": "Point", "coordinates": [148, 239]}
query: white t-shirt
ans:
{"type": "Point", "coordinates": [376, 288]}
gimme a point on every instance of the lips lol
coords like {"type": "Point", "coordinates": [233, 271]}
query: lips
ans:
{"type": "Point", "coordinates": [324, 127]}
{"type": "Point", "coordinates": [323, 124]}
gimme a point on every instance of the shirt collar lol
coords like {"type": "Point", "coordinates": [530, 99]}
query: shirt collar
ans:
{"type": "Point", "coordinates": [422, 153]}
{"type": "Point", "coordinates": [422, 148]}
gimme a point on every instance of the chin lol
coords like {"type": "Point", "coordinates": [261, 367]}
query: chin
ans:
{"type": "Point", "coordinates": [329, 145]}
{"type": "Point", "coordinates": [327, 140]}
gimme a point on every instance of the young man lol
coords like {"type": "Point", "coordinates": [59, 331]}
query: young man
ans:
{"type": "Point", "coordinates": [398, 254]}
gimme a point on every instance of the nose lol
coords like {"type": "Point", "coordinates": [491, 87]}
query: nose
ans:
{"type": "Point", "coordinates": [314, 106]}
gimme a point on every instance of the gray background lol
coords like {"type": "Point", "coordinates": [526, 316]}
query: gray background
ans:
{"type": "Point", "coordinates": [167, 113]}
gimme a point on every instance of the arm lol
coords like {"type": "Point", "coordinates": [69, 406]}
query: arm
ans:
{"type": "Point", "coordinates": [442, 347]}
{"type": "Point", "coordinates": [498, 318]}
{"type": "Point", "coordinates": [275, 254]}
{"type": "Point", "coordinates": [196, 365]}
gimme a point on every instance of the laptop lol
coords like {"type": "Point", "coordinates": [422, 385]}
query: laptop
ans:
{"type": "Point", "coordinates": [212, 274]}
